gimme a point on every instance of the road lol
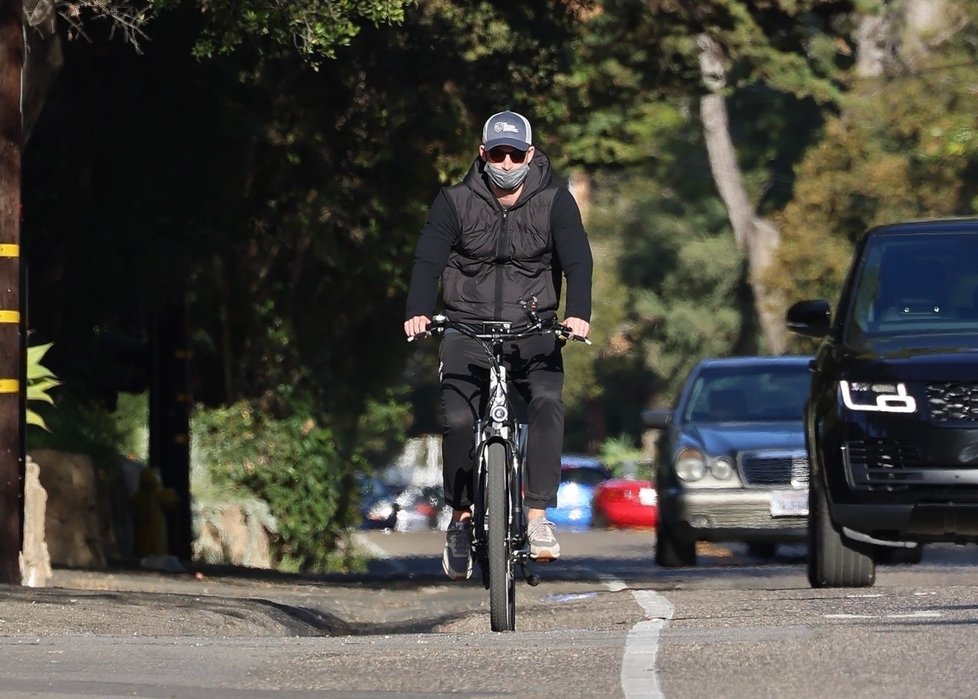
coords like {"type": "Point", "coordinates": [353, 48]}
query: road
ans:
{"type": "Point", "coordinates": [605, 622]}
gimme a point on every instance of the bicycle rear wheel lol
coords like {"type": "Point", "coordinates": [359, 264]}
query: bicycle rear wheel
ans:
{"type": "Point", "coordinates": [502, 582]}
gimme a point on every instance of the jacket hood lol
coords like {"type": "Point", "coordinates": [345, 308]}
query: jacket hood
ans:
{"type": "Point", "coordinates": [537, 179]}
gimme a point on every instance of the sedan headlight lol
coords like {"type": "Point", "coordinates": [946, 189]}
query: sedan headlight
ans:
{"type": "Point", "coordinates": [884, 397]}
{"type": "Point", "coordinates": [690, 464]}
{"type": "Point", "coordinates": [721, 468]}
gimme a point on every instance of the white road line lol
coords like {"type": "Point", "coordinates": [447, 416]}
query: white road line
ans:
{"type": "Point", "coordinates": [639, 677]}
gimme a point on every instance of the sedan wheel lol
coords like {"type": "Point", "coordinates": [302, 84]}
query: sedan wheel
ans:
{"type": "Point", "coordinates": [672, 551]}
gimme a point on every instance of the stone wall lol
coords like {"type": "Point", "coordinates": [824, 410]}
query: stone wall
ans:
{"type": "Point", "coordinates": [74, 520]}
{"type": "Point", "coordinates": [78, 518]}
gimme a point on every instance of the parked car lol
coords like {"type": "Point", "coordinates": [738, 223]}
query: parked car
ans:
{"type": "Point", "coordinates": [892, 422]}
{"type": "Point", "coordinates": [731, 462]}
{"type": "Point", "coordinates": [579, 475]}
{"type": "Point", "coordinates": [624, 503]}
{"type": "Point", "coordinates": [378, 504]}
{"type": "Point", "coordinates": [419, 508]}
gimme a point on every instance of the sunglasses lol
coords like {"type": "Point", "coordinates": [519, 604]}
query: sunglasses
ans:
{"type": "Point", "coordinates": [498, 154]}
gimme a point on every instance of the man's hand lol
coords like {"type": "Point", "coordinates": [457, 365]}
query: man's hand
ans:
{"type": "Point", "coordinates": [577, 326]}
{"type": "Point", "coordinates": [416, 326]}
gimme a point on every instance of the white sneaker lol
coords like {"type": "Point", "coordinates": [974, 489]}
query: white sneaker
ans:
{"type": "Point", "coordinates": [543, 540]}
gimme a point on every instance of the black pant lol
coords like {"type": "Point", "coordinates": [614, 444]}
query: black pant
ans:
{"type": "Point", "coordinates": [536, 369]}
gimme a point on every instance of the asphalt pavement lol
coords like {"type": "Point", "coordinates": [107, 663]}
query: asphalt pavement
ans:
{"type": "Point", "coordinates": [212, 601]}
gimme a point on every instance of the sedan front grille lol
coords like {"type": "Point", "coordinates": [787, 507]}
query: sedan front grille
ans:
{"type": "Point", "coordinates": [953, 402]}
{"type": "Point", "coordinates": [767, 468]}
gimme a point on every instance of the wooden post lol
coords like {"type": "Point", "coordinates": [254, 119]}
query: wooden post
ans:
{"type": "Point", "coordinates": [12, 390]}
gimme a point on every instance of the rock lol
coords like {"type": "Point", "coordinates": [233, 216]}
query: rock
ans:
{"type": "Point", "coordinates": [35, 560]}
{"type": "Point", "coordinates": [78, 523]}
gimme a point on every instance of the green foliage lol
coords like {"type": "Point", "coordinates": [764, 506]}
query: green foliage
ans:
{"type": "Point", "coordinates": [904, 147]}
{"type": "Point", "coordinates": [81, 425]}
{"type": "Point", "coordinates": [685, 276]}
{"type": "Point", "coordinates": [40, 381]}
{"type": "Point", "coordinates": [131, 416]}
{"type": "Point", "coordinates": [622, 456]}
{"type": "Point", "coordinates": [315, 28]}
{"type": "Point", "coordinates": [293, 464]}
{"type": "Point", "coordinates": [301, 467]}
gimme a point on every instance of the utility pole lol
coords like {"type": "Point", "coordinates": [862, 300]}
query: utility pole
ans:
{"type": "Point", "coordinates": [12, 389]}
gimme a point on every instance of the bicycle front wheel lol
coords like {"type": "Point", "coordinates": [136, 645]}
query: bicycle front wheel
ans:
{"type": "Point", "coordinates": [502, 582]}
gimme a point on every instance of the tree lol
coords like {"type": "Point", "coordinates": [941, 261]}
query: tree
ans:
{"type": "Point", "coordinates": [289, 200]}
{"type": "Point", "coordinates": [315, 27]}
{"type": "Point", "coordinates": [788, 47]}
{"type": "Point", "coordinates": [903, 145]}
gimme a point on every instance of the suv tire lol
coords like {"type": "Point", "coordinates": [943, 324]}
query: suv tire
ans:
{"type": "Point", "coordinates": [832, 560]}
{"type": "Point", "coordinates": [672, 551]}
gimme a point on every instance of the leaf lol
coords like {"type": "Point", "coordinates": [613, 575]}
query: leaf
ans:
{"type": "Point", "coordinates": [35, 419]}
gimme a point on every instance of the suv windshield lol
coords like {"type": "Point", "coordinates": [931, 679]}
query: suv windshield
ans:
{"type": "Point", "coordinates": [914, 284]}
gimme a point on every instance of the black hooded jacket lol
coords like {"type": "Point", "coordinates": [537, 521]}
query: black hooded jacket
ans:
{"type": "Point", "coordinates": [489, 257]}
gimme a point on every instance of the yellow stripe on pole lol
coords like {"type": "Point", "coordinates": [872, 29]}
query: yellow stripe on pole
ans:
{"type": "Point", "coordinates": [9, 250]}
{"type": "Point", "coordinates": [9, 316]}
{"type": "Point", "coordinates": [9, 386]}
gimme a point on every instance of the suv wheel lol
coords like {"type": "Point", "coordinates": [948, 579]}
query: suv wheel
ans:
{"type": "Point", "coordinates": [832, 560]}
{"type": "Point", "coordinates": [672, 551]}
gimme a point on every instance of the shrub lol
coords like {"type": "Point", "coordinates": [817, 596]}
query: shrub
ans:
{"type": "Point", "coordinates": [293, 464]}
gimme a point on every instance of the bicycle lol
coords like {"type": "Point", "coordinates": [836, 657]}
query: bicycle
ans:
{"type": "Point", "coordinates": [499, 543]}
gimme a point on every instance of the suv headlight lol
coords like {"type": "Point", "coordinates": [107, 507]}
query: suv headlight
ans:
{"type": "Point", "coordinates": [880, 396]}
{"type": "Point", "coordinates": [690, 464]}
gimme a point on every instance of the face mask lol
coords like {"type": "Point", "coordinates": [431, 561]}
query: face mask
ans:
{"type": "Point", "coordinates": [507, 179]}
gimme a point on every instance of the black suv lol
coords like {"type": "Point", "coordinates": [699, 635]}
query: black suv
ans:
{"type": "Point", "coordinates": [892, 420]}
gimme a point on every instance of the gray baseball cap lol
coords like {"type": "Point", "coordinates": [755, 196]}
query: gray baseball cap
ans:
{"type": "Point", "coordinates": [507, 129]}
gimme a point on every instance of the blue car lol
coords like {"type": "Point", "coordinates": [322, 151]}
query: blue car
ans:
{"type": "Point", "coordinates": [732, 464]}
{"type": "Point", "coordinates": [579, 476]}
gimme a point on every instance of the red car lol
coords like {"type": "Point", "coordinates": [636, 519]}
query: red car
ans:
{"type": "Point", "coordinates": [624, 502]}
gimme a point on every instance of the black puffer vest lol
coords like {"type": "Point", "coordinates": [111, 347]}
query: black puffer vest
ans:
{"type": "Point", "coordinates": [501, 255]}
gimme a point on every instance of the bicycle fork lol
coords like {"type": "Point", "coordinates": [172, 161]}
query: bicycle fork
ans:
{"type": "Point", "coordinates": [519, 546]}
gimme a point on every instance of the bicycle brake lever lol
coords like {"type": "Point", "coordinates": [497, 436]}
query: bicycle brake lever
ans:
{"type": "Point", "coordinates": [564, 334]}
{"type": "Point", "coordinates": [436, 327]}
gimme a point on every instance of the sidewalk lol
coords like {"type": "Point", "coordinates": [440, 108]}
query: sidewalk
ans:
{"type": "Point", "coordinates": [151, 603]}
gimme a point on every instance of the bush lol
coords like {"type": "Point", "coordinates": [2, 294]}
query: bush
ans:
{"type": "Point", "coordinates": [291, 463]}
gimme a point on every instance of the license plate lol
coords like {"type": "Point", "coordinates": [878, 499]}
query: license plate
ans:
{"type": "Point", "coordinates": [646, 496]}
{"type": "Point", "coordinates": [789, 504]}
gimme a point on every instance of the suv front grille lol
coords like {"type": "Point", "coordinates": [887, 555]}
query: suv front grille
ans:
{"type": "Point", "coordinates": [953, 402]}
{"type": "Point", "coordinates": [766, 468]}
{"type": "Point", "coordinates": [880, 462]}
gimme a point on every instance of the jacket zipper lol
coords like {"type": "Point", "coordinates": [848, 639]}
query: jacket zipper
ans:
{"type": "Point", "coordinates": [501, 249]}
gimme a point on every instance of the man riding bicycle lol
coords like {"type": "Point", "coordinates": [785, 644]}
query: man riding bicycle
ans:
{"type": "Point", "coordinates": [505, 233]}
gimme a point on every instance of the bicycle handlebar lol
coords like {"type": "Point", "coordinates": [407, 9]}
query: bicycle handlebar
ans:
{"type": "Point", "coordinates": [440, 323]}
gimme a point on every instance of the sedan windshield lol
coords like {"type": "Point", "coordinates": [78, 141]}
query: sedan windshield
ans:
{"type": "Point", "coordinates": [922, 284]}
{"type": "Point", "coordinates": [749, 393]}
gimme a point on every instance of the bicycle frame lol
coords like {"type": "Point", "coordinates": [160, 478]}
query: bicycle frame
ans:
{"type": "Point", "coordinates": [499, 426]}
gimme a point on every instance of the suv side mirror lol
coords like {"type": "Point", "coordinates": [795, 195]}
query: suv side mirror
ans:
{"type": "Point", "coordinates": [812, 318]}
{"type": "Point", "coordinates": [656, 417]}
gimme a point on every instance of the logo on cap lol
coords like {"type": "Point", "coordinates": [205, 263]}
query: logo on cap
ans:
{"type": "Point", "coordinates": [501, 126]}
